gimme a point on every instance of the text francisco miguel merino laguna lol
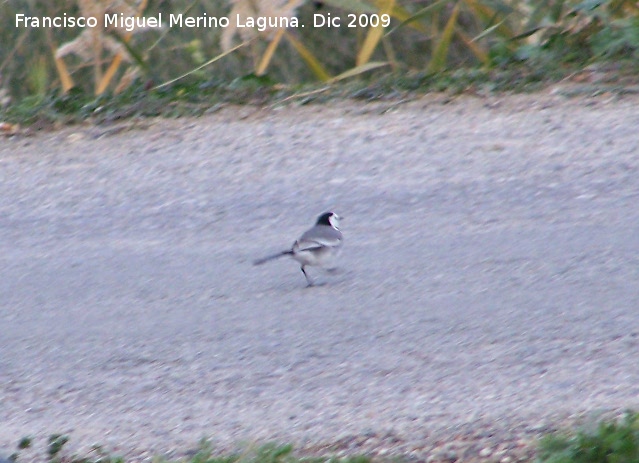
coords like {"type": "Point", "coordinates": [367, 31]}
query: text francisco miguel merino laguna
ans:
{"type": "Point", "coordinates": [129, 23]}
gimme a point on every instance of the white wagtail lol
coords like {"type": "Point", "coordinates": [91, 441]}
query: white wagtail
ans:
{"type": "Point", "coordinates": [318, 246]}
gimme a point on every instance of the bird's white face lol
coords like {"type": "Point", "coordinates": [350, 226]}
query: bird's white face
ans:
{"type": "Point", "coordinates": [334, 221]}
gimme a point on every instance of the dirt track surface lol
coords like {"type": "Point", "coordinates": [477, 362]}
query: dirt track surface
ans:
{"type": "Point", "coordinates": [489, 281]}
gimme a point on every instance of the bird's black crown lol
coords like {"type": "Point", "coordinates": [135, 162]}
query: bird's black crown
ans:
{"type": "Point", "coordinates": [324, 218]}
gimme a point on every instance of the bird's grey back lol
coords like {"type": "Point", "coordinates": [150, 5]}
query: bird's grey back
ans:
{"type": "Point", "coordinates": [324, 235]}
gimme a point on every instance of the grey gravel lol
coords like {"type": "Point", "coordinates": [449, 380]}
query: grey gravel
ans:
{"type": "Point", "coordinates": [487, 294]}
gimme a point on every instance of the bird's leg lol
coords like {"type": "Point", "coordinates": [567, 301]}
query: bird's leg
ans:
{"type": "Point", "coordinates": [308, 280]}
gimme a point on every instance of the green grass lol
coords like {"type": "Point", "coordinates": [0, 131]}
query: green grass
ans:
{"type": "Point", "coordinates": [614, 441]}
{"type": "Point", "coordinates": [492, 45]}
{"type": "Point", "coordinates": [267, 453]}
{"type": "Point", "coordinates": [498, 46]}
{"type": "Point", "coordinates": [609, 441]}
{"type": "Point", "coordinates": [193, 97]}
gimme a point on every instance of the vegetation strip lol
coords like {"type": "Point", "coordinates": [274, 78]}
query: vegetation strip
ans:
{"type": "Point", "coordinates": [608, 441]}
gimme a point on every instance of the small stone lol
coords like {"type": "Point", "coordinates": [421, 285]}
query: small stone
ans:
{"type": "Point", "coordinates": [485, 452]}
{"type": "Point", "coordinates": [445, 453]}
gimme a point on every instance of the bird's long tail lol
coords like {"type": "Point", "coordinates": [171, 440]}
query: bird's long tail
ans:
{"type": "Point", "coordinates": [274, 256]}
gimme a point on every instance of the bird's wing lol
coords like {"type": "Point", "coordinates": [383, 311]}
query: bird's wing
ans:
{"type": "Point", "coordinates": [319, 237]}
{"type": "Point", "coordinates": [307, 245]}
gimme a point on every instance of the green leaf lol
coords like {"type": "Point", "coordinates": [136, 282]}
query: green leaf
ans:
{"type": "Point", "coordinates": [488, 31]}
{"type": "Point", "coordinates": [212, 60]}
{"type": "Point", "coordinates": [357, 70]}
{"type": "Point", "coordinates": [426, 12]}
{"type": "Point", "coordinates": [309, 58]}
{"type": "Point", "coordinates": [440, 54]}
{"type": "Point", "coordinates": [374, 35]}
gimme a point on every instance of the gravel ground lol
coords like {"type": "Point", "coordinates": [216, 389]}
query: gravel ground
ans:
{"type": "Point", "coordinates": [488, 287]}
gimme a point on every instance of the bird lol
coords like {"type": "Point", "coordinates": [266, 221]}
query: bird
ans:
{"type": "Point", "coordinates": [317, 247]}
